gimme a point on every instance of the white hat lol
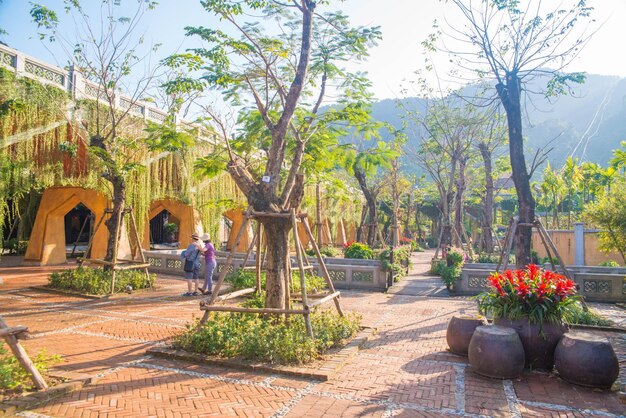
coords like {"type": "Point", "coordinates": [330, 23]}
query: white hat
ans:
{"type": "Point", "coordinates": [206, 237]}
{"type": "Point", "coordinates": [195, 235]}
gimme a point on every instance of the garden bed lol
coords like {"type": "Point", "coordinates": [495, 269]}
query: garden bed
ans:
{"type": "Point", "coordinates": [96, 282]}
{"type": "Point", "coordinates": [322, 369]}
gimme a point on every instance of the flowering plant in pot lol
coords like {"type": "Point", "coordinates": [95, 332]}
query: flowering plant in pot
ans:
{"type": "Point", "coordinates": [535, 302]}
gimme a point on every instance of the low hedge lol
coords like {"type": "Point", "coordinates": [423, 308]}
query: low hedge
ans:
{"type": "Point", "coordinates": [261, 338]}
{"type": "Point", "coordinates": [97, 281]}
{"type": "Point", "coordinates": [244, 279]}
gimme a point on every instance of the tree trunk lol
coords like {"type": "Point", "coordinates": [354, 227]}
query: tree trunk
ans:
{"type": "Point", "coordinates": [278, 263]}
{"type": "Point", "coordinates": [458, 204]}
{"type": "Point", "coordinates": [119, 189]}
{"type": "Point", "coordinates": [510, 96]}
{"type": "Point", "coordinates": [487, 218]}
{"type": "Point", "coordinates": [372, 210]}
{"type": "Point", "coordinates": [361, 229]}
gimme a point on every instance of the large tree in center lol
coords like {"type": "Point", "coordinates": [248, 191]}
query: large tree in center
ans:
{"type": "Point", "coordinates": [279, 68]}
{"type": "Point", "coordinates": [515, 43]}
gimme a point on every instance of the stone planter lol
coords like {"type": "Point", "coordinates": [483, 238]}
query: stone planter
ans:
{"type": "Point", "coordinates": [496, 352]}
{"type": "Point", "coordinates": [586, 359]}
{"type": "Point", "coordinates": [539, 342]}
{"type": "Point", "coordinates": [460, 331]}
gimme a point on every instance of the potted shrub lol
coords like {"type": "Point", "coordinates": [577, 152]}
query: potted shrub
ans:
{"type": "Point", "coordinates": [534, 302]}
{"type": "Point", "coordinates": [357, 250]}
{"type": "Point", "coordinates": [170, 230]}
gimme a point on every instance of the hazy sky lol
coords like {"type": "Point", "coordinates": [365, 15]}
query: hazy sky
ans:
{"type": "Point", "coordinates": [404, 24]}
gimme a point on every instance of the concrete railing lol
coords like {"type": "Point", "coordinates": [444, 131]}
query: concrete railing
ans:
{"type": "Point", "coordinates": [345, 273]}
{"type": "Point", "coordinates": [78, 87]}
{"type": "Point", "coordinates": [596, 284]}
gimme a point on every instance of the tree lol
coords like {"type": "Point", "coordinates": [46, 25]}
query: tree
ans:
{"type": "Point", "coordinates": [513, 44]}
{"type": "Point", "coordinates": [107, 49]}
{"type": "Point", "coordinates": [280, 73]}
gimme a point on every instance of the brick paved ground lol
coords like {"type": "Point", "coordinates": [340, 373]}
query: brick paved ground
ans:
{"type": "Point", "coordinates": [404, 371]}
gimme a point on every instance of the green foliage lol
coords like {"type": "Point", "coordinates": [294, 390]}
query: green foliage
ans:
{"type": "Point", "coordinates": [359, 251]}
{"type": "Point", "coordinates": [267, 339]}
{"type": "Point", "coordinates": [487, 258]}
{"type": "Point", "coordinates": [454, 258]}
{"type": "Point", "coordinates": [14, 246]}
{"type": "Point", "coordinates": [437, 267]}
{"type": "Point", "coordinates": [609, 263]}
{"type": "Point", "coordinates": [576, 314]}
{"type": "Point", "coordinates": [245, 279]}
{"type": "Point", "coordinates": [609, 214]}
{"type": "Point", "coordinates": [450, 274]}
{"type": "Point", "coordinates": [97, 281]}
{"type": "Point", "coordinates": [13, 377]}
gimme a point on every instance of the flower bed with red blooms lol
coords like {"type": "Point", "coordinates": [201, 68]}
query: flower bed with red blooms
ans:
{"type": "Point", "coordinates": [540, 295]}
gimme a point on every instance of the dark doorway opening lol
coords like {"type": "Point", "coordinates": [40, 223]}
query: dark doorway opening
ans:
{"type": "Point", "coordinates": [164, 229]}
{"type": "Point", "coordinates": [78, 225]}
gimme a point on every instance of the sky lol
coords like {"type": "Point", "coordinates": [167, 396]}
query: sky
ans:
{"type": "Point", "coordinates": [404, 24]}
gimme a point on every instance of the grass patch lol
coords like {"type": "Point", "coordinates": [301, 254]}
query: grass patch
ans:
{"type": "Point", "coordinates": [576, 315]}
{"type": "Point", "coordinates": [13, 378]}
{"type": "Point", "coordinates": [260, 338]}
{"type": "Point", "coordinates": [97, 281]}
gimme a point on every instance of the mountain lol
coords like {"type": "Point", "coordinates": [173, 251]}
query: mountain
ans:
{"type": "Point", "coordinates": [588, 124]}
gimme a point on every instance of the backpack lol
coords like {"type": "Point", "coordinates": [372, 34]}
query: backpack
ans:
{"type": "Point", "coordinates": [189, 265]}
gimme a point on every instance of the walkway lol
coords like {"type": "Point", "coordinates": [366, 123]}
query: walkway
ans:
{"type": "Point", "coordinates": [403, 371]}
{"type": "Point", "coordinates": [419, 281]}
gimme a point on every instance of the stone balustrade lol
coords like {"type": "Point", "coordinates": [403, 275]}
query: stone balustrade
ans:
{"type": "Point", "coordinates": [345, 273]}
{"type": "Point", "coordinates": [596, 284]}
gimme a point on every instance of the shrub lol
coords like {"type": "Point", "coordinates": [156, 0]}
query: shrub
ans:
{"type": "Point", "coordinates": [487, 258]}
{"type": "Point", "coordinates": [450, 274]}
{"type": "Point", "coordinates": [359, 251]}
{"type": "Point", "coordinates": [437, 267]}
{"type": "Point", "coordinates": [576, 314]}
{"type": "Point", "coordinates": [259, 338]}
{"type": "Point", "coordinates": [609, 263]}
{"type": "Point", "coordinates": [454, 258]}
{"type": "Point", "coordinates": [431, 242]}
{"type": "Point", "coordinates": [14, 246]}
{"type": "Point", "coordinates": [13, 377]}
{"type": "Point", "coordinates": [97, 281]}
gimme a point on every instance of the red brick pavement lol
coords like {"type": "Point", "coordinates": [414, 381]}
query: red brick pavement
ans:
{"type": "Point", "coordinates": [404, 371]}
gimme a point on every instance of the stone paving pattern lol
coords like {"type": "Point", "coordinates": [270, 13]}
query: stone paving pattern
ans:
{"type": "Point", "coordinates": [403, 371]}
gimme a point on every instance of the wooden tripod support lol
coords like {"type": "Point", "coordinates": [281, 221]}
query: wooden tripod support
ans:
{"type": "Point", "coordinates": [11, 336]}
{"type": "Point", "coordinates": [302, 265]}
{"type": "Point", "coordinates": [118, 264]}
{"type": "Point", "coordinates": [545, 239]}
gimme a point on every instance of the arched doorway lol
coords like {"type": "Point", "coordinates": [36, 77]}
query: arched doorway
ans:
{"type": "Point", "coordinates": [48, 240]}
{"type": "Point", "coordinates": [164, 230]}
{"type": "Point", "coordinates": [79, 223]}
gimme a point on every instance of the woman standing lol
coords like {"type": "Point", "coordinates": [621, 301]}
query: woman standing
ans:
{"type": "Point", "coordinates": [210, 264]}
{"type": "Point", "coordinates": [192, 256]}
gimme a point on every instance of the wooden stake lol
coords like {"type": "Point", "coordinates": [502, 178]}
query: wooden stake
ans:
{"type": "Point", "coordinates": [322, 265]}
{"type": "Point", "coordinates": [142, 258]}
{"type": "Point", "coordinates": [259, 232]}
{"type": "Point", "coordinates": [305, 301]}
{"type": "Point", "coordinates": [22, 357]}
{"type": "Point", "coordinates": [82, 260]}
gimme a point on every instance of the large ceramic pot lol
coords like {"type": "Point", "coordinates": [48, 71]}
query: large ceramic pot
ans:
{"type": "Point", "coordinates": [586, 359]}
{"type": "Point", "coordinates": [497, 352]}
{"type": "Point", "coordinates": [460, 331]}
{"type": "Point", "coordinates": [539, 341]}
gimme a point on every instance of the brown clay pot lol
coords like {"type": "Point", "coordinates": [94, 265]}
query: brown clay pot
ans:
{"type": "Point", "coordinates": [539, 341]}
{"type": "Point", "coordinates": [460, 331]}
{"type": "Point", "coordinates": [586, 359]}
{"type": "Point", "coordinates": [496, 352]}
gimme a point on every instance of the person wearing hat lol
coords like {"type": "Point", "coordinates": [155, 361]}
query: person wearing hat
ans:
{"type": "Point", "coordinates": [210, 264]}
{"type": "Point", "coordinates": [192, 253]}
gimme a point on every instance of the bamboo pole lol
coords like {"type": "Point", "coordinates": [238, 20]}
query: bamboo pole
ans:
{"type": "Point", "coordinates": [82, 260]}
{"type": "Point", "coordinates": [142, 259]}
{"type": "Point", "coordinates": [118, 234]}
{"type": "Point", "coordinates": [82, 228]}
{"type": "Point", "coordinates": [556, 252]}
{"type": "Point", "coordinates": [22, 357]}
{"type": "Point", "coordinates": [217, 308]}
{"type": "Point", "coordinates": [322, 266]}
{"type": "Point", "coordinates": [305, 301]}
{"type": "Point", "coordinates": [258, 256]}
{"type": "Point", "coordinates": [324, 299]}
